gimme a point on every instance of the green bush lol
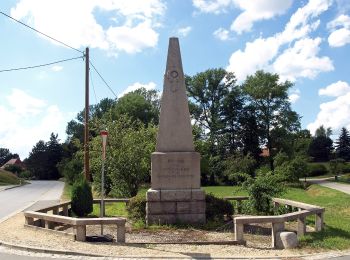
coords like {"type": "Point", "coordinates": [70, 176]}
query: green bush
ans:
{"type": "Point", "coordinates": [336, 166]}
{"type": "Point", "coordinates": [262, 190]}
{"type": "Point", "coordinates": [81, 198]}
{"type": "Point", "coordinates": [217, 208]}
{"type": "Point", "coordinates": [292, 170]}
{"type": "Point", "coordinates": [16, 169]}
{"type": "Point", "coordinates": [136, 208]}
{"type": "Point", "coordinates": [346, 168]}
{"type": "Point", "coordinates": [71, 169]}
{"type": "Point", "coordinates": [316, 169]}
{"type": "Point", "coordinates": [25, 175]}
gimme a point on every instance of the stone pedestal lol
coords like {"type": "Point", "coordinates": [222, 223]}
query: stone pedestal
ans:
{"type": "Point", "coordinates": [175, 206]}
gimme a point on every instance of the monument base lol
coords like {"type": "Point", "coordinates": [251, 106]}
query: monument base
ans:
{"type": "Point", "coordinates": [175, 206]}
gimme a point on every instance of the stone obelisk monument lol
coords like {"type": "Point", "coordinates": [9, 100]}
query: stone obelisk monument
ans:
{"type": "Point", "coordinates": [175, 194]}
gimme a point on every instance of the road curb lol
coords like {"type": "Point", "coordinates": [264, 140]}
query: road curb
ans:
{"type": "Point", "coordinates": [318, 256]}
{"type": "Point", "coordinates": [47, 251]}
{"type": "Point", "coordinates": [12, 187]}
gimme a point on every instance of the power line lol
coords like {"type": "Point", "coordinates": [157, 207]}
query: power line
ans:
{"type": "Point", "coordinates": [41, 65]}
{"type": "Point", "coordinates": [103, 79]}
{"type": "Point", "coordinates": [93, 86]}
{"type": "Point", "coordinates": [26, 25]}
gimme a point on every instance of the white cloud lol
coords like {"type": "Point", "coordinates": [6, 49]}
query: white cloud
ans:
{"type": "Point", "coordinates": [56, 68]}
{"type": "Point", "coordinates": [262, 52]}
{"type": "Point", "coordinates": [252, 10]}
{"type": "Point", "coordinates": [136, 30]}
{"type": "Point", "coordinates": [212, 6]}
{"type": "Point", "coordinates": [25, 120]}
{"type": "Point", "coordinates": [301, 61]}
{"type": "Point", "coordinates": [222, 34]}
{"type": "Point", "coordinates": [184, 31]}
{"type": "Point", "coordinates": [294, 96]}
{"type": "Point", "coordinates": [257, 10]}
{"type": "Point", "coordinates": [340, 31]}
{"type": "Point", "coordinates": [336, 89]}
{"type": "Point", "coordinates": [335, 113]}
{"type": "Point", "coordinates": [149, 86]}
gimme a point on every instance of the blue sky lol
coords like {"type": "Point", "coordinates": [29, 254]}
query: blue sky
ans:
{"type": "Point", "coordinates": [307, 42]}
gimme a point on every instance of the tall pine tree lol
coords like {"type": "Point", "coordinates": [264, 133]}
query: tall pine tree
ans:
{"type": "Point", "coordinates": [342, 147]}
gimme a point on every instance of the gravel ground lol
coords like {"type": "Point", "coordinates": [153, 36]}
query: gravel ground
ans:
{"type": "Point", "coordinates": [12, 231]}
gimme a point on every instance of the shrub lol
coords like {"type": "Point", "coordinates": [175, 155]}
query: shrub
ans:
{"type": "Point", "coordinates": [293, 170]}
{"type": "Point", "coordinates": [262, 190]}
{"type": "Point", "coordinates": [16, 169]}
{"type": "Point", "coordinates": [71, 169]}
{"type": "Point", "coordinates": [136, 208]}
{"type": "Point", "coordinates": [25, 175]}
{"type": "Point", "coordinates": [336, 166]}
{"type": "Point", "coordinates": [346, 168]}
{"type": "Point", "coordinates": [81, 198]}
{"type": "Point", "coordinates": [316, 169]}
{"type": "Point", "coordinates": [217, 208]}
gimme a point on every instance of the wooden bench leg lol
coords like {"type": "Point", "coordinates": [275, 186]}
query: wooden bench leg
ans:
{"type": "Point", "coordinates": [121, 233]}
{"type": "Point", "coordinates": [49, 224]}
{"type": "Point", "coordinates": [301, 226]}
{"type": "Point", "coordinates": [80, 233]}
{"type": "Point", "coordinates": [239, 206]}
{"type": "Point", "coordinates": [276, 227]}
{"type": "Point", "coordinates": [239, 232]}
{"type": "Point", "coordinates": [319, 222]}
{"type": "Point", "coordinates": [29, 221]}
{"type": "Point", "coordinates": [55, 211]}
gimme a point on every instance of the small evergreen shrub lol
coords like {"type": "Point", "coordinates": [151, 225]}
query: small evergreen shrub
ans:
{"type": "Point", "coordinates": [346, 168]}
{"type": "Point", "coordinates": [136, 208]}
{"type": "Point", "coordinates": [81, 198]}
{"type": "Point", "coordinates": [316, 169]}
{"type": "Point", "coordinates": [217, 208]}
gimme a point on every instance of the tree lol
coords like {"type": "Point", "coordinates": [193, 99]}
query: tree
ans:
{"type": "Point", "coordinates": [207, 91]}
{"type": "Point", "coordinates": [269, 97]}
{"type": "Point", "coordinates": [127, 164]}
{"type": "Point", "coordinates": [138, 105]}
{"type": "Point", "coordinates": [321, 146]}
{"type": "Point", "coordinates": [342, 147]}
{"type": "Point", "coordinates": [43, 159]}
{"type": "Point", "coordinates": [321, 131]}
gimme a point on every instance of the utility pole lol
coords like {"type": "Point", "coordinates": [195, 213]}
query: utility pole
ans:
{"type": "Point", "coordinates": [86, 129]}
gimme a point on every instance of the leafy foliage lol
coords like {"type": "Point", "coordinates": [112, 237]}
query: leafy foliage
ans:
{"type": "Point", "coordinates": [217, 208]}
{"type": "Point", "coordinates": [269, 98]}
{"type": "Point", "coordinates": [261, 190]}
{"type": "Point", "coordinates": [317, 169]}
{"type": "Point", "coordinates": [136, 208]}
{"type": "Point", "coordinates": [336, 166]}
{"type": "Point", "coordinates": [128, 163]}
{"type": "Point", "coordinates": [238, 168]}
{"type": "Point", "coordinates": [320, 148]}
{"type": "Point", "coordinates": [81, 198]}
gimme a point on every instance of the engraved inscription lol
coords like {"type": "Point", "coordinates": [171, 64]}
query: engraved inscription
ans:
{"type": "Point", "coordinates": [175, 168]}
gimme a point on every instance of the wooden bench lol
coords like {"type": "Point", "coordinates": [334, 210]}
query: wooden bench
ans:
{"type": "Point", "coordinates": [278, 222]}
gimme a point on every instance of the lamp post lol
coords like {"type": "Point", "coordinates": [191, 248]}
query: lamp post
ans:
{"type": "Point", "coordinates": [104, 135]}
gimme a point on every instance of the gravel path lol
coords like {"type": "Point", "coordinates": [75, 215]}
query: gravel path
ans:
{"type": "Point", "coordinates": [12, 231]}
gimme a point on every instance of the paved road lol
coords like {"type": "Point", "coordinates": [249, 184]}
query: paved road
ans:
{"type": "Point", "coordinates": [333, 185]}
{"type": "Point", "coordinates": [17, 199]}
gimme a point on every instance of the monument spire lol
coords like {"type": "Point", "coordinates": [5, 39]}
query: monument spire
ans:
{"type": "Point", "coordinates": [175, 130]}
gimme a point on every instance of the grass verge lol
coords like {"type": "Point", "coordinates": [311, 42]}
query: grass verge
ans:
{"type": "Point", "coordinates": [8, 178]}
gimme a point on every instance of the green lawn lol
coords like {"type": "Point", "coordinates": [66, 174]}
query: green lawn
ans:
{"type": "Point", "coordinates": [8, 178]}
{"type": "Point", "coordinates": [336, 234]}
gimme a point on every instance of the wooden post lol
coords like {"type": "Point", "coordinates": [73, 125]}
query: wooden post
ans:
{"type": "Point", "coordinates": [239, 232]}
{"type": "Point", "coordinates": [319, 222]}
{"type": "Point", "coordinates": [276, 228]}
{"type": "Point", "coordinates": [86, 129]}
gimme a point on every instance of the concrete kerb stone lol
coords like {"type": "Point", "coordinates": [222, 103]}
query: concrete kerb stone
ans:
{"type": "Point", "coordinates": [323, 255]}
